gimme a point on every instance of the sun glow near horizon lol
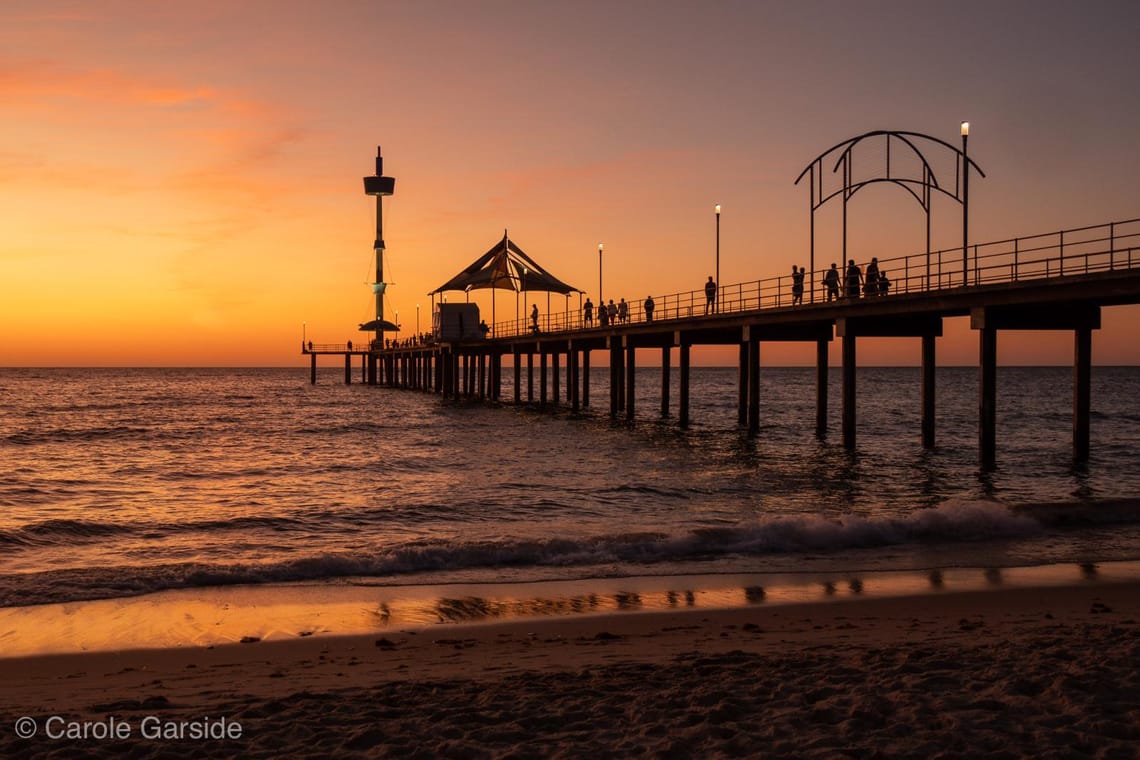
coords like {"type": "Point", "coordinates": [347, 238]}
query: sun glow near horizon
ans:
{"type": "Point", "coordinates": [181, 191]}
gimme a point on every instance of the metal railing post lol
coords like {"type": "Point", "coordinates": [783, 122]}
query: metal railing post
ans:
{"type": "Point", "coordinates": [1061, 234]}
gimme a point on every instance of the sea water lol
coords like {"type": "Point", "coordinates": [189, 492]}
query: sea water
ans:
{"type": "Point", "coordinates": [120, 482]}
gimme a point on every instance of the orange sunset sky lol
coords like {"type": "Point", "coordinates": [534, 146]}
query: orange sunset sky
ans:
{"type": "Point", "coordinates": [180, 182]}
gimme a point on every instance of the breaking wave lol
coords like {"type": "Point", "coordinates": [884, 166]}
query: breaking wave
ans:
{"type": "Point", "coordinates": [962, 522]}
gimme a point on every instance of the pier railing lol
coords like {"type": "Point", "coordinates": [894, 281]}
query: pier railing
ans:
{"type": "Point", "coordinates": [1064, 253]}
{"type": "Point", "coordinates": [1077, 251]}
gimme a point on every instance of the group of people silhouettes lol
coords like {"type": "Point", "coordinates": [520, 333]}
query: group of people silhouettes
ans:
{"type": "Point", "coordinates": [854, 280]}
{"type": "Point", "coordinates": [612, 313]}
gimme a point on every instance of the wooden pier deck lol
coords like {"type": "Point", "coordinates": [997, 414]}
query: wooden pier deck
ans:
{"type": "Point", "coordinates": [1057, 281]}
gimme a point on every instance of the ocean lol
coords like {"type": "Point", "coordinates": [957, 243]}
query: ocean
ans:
{"type": "Point", "coordinates": [123, 482]}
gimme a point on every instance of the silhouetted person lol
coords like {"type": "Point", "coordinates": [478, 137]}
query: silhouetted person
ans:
{"type": "Point", "coordinates": [350, 345]}
{"type": "Point", "coordinates": [710, 295]}
{"type": "Point", "coordinates": [310, 346]}
{"type": "Point", "coordinates": [649, 306]}
{"type": "Point", "coordinates": [623, 311]}
{"type": "Point", "coordinates": [483, 328]}
{"type": "Point", "coordinates": [884, 283]}
{"type": "Point", "coordinates": [797, 285]}
{"type": "Point", "coordinates": [871, 280]}
{"type": "Point", "coordinates": [534, 317]}
{"type": "Point", "coordinates": [603, 315]}
{"type": "Point", "coordinates": [613, 314]}
{"type": "Point", "coordinates": [588, 312]}
{"type": "Point", "coordinates": [854, 279]}
{"type": "Point", "coordinates": [831, 282]}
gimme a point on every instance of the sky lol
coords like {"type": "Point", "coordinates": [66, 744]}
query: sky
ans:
{"type": "Point", "coordinates": [180, 183]}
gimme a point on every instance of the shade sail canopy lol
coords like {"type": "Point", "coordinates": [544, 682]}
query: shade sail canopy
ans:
{"type": "Point", "coordinates": [506, 267]}
{"type": "Point", "coordinates": [378, 324]}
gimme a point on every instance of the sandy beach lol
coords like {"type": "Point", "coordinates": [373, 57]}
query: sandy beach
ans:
{"type": "Point", "coordinates": [1045, 672]}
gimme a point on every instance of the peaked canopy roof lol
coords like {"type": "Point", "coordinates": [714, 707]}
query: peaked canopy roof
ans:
{"type": "Point", "coordinates": [503, 267]}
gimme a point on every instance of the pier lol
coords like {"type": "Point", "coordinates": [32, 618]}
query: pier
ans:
{"type": "Point", "coordinates": [1055, 281]}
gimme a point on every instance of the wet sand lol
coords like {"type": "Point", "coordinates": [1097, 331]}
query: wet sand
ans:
{"type": "Point", "coordinates": [1047, 672]}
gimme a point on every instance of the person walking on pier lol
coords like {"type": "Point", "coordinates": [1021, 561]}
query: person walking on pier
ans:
{"type": "Point", "coordinates": [854, 279]}
{"type": "Point", "coordinates": [588, 312]}
{"type": "Point", "coordinates": [613, 314]}
{"type": "Point", "coordinates": [534, 318]}
{"type": "Point", "coordinates": [831, 282]}
{"type": "Point", "coordinates": [649, 307]}
{"type": "Point", "coordinates": [623, 311]}
{"type": "Point", "coordinates": [797, 285]}
{"type": "Point", "coordinates": [710, 295]}
{"type": "Point", "coordinates": [884, 283]}
{"type": "Point", "coordinates": [603, 315]}
{"type": "Point", "coordinates": [871, 282]}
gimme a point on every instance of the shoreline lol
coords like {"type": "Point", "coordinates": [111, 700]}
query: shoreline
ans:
{"type": "Point", "coordinates": [1015, 669]}
{"type": "Point", "coordinates": [214, 616]}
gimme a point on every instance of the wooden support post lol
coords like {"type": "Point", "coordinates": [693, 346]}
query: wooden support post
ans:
{"type": "Point", "coordinates": [821, 374]}
{"type": "Point", "coordinates": [529, 377]}
{"type": "Point", "coordinates": [373, 369]}
{"type": "Point", "coordinates": [363, 368]}
{"type": "Point", "coordinates": [928, 366]}
{"type": "Point", "coordinates": [585, 378]}
{"type": "Point", "coordinates": [496, 376]}
{"type": "Point", "coordinates": [753, 384]}
{"type": "Point", "coordinates": [615, 377]}
{"type": "Point", "coordinates": [742, 385]}
{"type": "Point", "coordinates": [457, 376]}
{"type": "Point", "coordinates": [444, 373]}
{"type": "Point", "coordinates": [347, 368]}
{"type": "Point", "coordinates": [518, 376]}
{"type": "Point", "coordinates": [683, 403]}
{"type": "Point", "coordinates": [482, 379]}
{"type": "Point", "coordinates": [542, 377]}
{"type": "Point", "coordinates": [848, 391]}
{"type": "Point", "coordinates": [987, 398]}
{"type": "Point", "coordinates": [572, 378]}
{"type": "Point", "coordinates": [630, 385]}
{"type": "Point", "coordinates": [666, 375]}
{"type": "Point", "coordinates": [1082, 392]}
{"type": "Point", "coordinates": [556, 390]}
{"type": "Point", "coordinates": [312, 369]}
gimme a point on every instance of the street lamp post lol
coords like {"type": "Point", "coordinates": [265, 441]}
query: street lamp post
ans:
{"type": "Point", "coordinates": [600, 299]}
{"type": "Point", "coordinates": [417, 321]}
{"type": "Point", "coordinates": [303, 327]}
{"type": "Point", "coordinates": [716, 303]}
{"type": "Point", "coordinates": [397, 327]}
{"type": "Point", "coordinates": [525, 270]}
{"type": "Point", "coordinates": [965, 205]}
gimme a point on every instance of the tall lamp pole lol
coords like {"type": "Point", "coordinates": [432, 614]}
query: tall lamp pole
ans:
{"type": "Point", "coordinates": [379, 186]}
{"type": "Point", "coordinates": [716, 303]}
{"type": "Point", "coordinates": [417, 321]}
{"type": "Point", "coordinates": [965, 205]}
{"type": "Point", "coordinates": [600, 299]}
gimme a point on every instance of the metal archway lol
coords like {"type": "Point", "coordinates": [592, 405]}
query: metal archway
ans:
{"type": "Point", "coordinates": [919, 187]}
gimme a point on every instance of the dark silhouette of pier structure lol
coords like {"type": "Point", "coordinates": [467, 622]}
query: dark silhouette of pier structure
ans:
{"type": "Point", "coordinates": [1054, 281]}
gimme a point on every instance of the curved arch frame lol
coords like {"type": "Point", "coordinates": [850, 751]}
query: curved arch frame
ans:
{"type": "Point", "coordinates": [919, 189]}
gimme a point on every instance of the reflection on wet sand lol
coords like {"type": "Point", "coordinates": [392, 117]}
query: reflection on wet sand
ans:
{"type": "Point", "coordinates": [470, 609]}
{"type": "Point", "coordinates": [203, 617]}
